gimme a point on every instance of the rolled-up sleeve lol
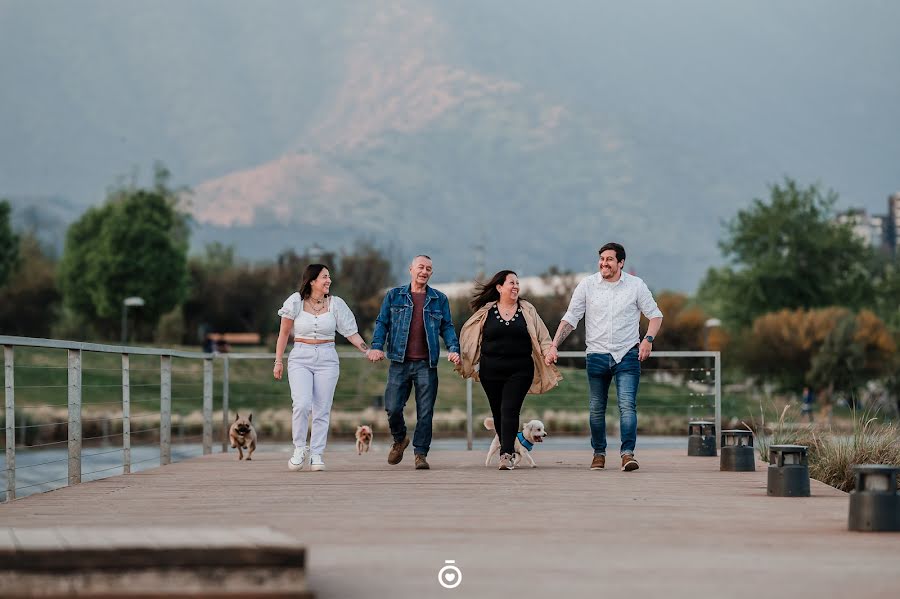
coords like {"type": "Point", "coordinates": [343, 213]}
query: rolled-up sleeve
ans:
{"type": "Point", "coordinates": [647, 304]}
{"type": "Point", "coordinates": [577, 304]}
{"type": "Point", "coordinates": [344, 319]}
{"type": "Point", "coordinates": [291, 307]}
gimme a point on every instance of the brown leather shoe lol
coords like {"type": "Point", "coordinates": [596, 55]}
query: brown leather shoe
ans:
{"type": "Point", "coordinates": [598, 463]}
{"type": "Point", "coordinates": [629, 463]}
{"type": "Point", "coordinates": [421, 462]}
{"type": "Point", "coordinates": [397, 450]}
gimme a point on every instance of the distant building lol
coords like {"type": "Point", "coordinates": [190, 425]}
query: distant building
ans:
{"type": "Point", "coordinates": [892, 222]}
{"type": "Point", "coordinates": [868, 229]}
{"type": "Point", "coordinates": [878, 231]}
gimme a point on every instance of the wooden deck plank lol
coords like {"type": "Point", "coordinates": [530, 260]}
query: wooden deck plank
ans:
{"type": "Point", "coordinates": [677, 527]}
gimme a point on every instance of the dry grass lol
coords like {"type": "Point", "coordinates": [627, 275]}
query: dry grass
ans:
{"type": "Point", "coordinates": [832, 457]}
{"type": "Point", "coordinates": [833, 453]}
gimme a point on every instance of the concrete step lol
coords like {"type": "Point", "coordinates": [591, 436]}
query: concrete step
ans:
{"type": "Point", "coordinates": [147, 561]}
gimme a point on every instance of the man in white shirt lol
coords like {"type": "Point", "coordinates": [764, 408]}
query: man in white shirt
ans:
{"type": "Point", "coordinates": [611, 302]}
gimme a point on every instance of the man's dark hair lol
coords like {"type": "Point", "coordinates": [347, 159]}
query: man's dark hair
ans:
{"type": "Point", "coordinates": [617, 248]}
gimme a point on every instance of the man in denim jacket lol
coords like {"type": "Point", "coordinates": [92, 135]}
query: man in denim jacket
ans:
{"type": "Point", "coordinates": [411, 321]}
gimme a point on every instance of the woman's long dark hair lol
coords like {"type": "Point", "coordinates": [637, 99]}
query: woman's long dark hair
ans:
{"type": "Point", "coordinates": [487, 292]}
{"type": "Point", "coordinates": [311, 273]}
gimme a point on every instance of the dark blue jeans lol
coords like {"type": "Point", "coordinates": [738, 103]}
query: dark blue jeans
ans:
{"type": "Point", "coordinates": [401, 378]}
{"type": "Point", "coordinates": [601, 368]}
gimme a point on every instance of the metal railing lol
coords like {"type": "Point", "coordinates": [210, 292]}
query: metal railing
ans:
{"type": "Point", "coordinates": [75, 396]}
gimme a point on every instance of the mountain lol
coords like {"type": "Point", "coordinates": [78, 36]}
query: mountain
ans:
{"type": "Point", "coordinates": [538, 130]}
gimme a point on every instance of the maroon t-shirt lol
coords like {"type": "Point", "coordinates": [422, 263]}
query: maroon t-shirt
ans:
{"type": "Point", "coordinates": [416, 344]}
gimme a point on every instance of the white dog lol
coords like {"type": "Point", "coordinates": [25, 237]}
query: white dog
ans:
{"type": "Point", "coordinates": [533, 432]}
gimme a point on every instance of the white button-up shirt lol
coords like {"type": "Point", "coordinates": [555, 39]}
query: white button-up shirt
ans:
{"type": "Point", "coordinates": [612, 312]}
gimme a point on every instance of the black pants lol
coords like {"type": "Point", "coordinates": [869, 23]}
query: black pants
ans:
{"type": "Point", "coordinates": [506, 388]}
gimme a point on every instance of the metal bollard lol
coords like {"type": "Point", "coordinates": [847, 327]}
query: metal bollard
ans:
{"type": "Point", "coordinates": [737, 451]}
{"type": "Point", "coordinates": [701, 438]}
{"type": "Point", "coordinates": [875, 502]}
{"type": "Point", "coordinates": [788, 471]}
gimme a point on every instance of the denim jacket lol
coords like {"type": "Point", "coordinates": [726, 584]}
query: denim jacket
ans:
{"type": "Point", "coordinates": [392, 324]}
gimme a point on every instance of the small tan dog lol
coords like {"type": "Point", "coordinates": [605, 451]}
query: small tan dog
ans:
{"type": "Point", "coordinates": [243, 435]}
{"type": "Point", "coordinates": [363, 438]}
{"type": "Point", "coordinates": [532, 432]}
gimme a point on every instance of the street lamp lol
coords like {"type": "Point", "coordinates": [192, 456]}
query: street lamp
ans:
{"type": "Point", "coordinates": [709, 324]}
{"type": "Point", "coordinates": [128, 302]}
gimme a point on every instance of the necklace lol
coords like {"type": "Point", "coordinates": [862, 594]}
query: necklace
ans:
{"type": "Point", "coordinates": [316, 305]}
{"type": "Point", "coordinates": [508, 315]}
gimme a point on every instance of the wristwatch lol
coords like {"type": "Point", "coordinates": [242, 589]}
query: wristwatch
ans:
{"type": "Point", "coordinates": [649, 338]}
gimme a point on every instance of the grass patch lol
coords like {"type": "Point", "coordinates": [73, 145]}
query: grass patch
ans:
{"type": "Point", "coordinates": [833, 453]}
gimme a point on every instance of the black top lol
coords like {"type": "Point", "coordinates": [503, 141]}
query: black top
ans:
{"type": "Point", "coordinates": [505, 339]}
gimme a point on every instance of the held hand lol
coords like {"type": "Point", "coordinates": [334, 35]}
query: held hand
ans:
{"type": "Point", "coordinates": [278, 371]}
{"type": "Point", "coordinates": [375, 355]}
{"type": "Point", "coordinates": [454, 357]}
{"type": "Point", "coordinates": [551, 357]}
{"type": "Point", "coordinates": [644, 350]}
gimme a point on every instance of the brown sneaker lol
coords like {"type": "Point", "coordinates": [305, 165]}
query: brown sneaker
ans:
{"type": "Point", "coordinates": [397, 450]}
{"type": "Point", "coordinates": [421, 462]}
{"type": "Point", "coordinates": [629, 463]}
{"type": "Point", "coordinates": [506, 462]}
{"type": "Point", "coordinates": [598, 463]}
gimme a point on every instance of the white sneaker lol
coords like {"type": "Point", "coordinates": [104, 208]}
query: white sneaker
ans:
{"type": "Point", "coordinates": [297, 460]}
{"type": "Point", "coordinates": [316, 463]}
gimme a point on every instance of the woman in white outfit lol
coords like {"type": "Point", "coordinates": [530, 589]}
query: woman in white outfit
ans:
{"type": "Point", "coordinates": [313, 316]}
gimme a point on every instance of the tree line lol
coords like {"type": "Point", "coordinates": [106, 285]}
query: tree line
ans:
{"type": "Point", "coordinates": [801, 300]}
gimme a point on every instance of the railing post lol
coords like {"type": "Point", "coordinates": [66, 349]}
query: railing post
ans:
{"type": "Point", "coordinates": [9, 369]}
{"type": "Point", "coordinates": [207, 405]}
{"type": "Point", "coordinates": [165, 410]}
{"type": "Point", "coordinates": [225, 404]}
{"type": "Point", "coordinates": [126, 414]}
{"type": "Point", "coordinates": [74, 364]}
{"type": "Point", "coordinates": [469, 414]}
{"type": "Point", "coordinates": [718, 394]}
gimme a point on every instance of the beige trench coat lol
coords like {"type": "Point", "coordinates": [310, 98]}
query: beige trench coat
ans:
{"type": "Point", "coordinates": [545, 377]}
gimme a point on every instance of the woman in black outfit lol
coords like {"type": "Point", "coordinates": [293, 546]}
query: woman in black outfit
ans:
{"type": "Point", "coordinates": [508, 339]}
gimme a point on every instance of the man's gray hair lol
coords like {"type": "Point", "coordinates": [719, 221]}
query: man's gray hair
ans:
{"type": "Point", "coordinates": [427, 257]}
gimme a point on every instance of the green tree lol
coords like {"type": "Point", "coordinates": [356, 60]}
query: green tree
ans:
{"type": "Point", "coordinates": [9, 244]}
{"type": "Point", "coordinates": [30, 300]}
{"type": "Point", "coordinates": [363, 276]}
{"type": "Point", "coordinates": [788, 253]}
{"type": "Point", "coordinates": [133, 245]}
{"type": "Point", "coordinates": [838, 365]}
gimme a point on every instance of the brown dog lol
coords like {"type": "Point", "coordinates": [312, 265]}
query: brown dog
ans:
{"type": "Point", "coordinates": [243, 435]}
{"type": "Point", "coordinates": [363, 438]}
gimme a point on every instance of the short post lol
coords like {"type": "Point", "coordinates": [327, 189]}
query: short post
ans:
{"type": "Point", "coordinates": [718, 383]}
{"type": "Point", "coordinates": [469, 432]}
{"type": "Point", "coordinates": [126, 414]}
{"type": "Point", "coordinates": [225, 423]}
{"type": "Point", "coordinates": [788, 471]}
{"type": "Point", "coordinates": [875, 502]}
{"type": "Point", "coordinates": [74, 363]}
{"type": "Point", "coordinates": [9, 370]}
{"type": "Point", "coordinates": [207, 405]}
{"type": "Point", "coordinates": [702, 438]}
{"type": "Point", "coordinates": [737, 451]}
{"type": "Point", "coordinates": [165, 410]}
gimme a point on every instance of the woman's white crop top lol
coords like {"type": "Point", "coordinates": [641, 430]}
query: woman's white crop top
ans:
{"type": "Point", "coordinates": [309, 326]}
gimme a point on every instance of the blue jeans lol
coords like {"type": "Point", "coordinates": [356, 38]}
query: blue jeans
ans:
{"type": "Point", "coordinates": [601, 368]}
{"type": "Point", "coordinates": [401, 378]}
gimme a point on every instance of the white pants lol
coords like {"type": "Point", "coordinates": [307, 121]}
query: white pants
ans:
{"type": "Point", "coordinates": [313, 374]}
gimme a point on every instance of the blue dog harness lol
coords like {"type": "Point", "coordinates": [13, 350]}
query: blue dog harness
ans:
{"type": "Point", "coordinates": [525, 442]}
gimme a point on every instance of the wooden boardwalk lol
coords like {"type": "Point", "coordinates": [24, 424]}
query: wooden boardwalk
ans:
{"type": "Point", "coordinates": [675, 528]}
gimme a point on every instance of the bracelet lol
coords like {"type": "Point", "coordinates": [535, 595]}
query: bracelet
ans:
{"type": "Point", "coordinates": [278, 363]}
